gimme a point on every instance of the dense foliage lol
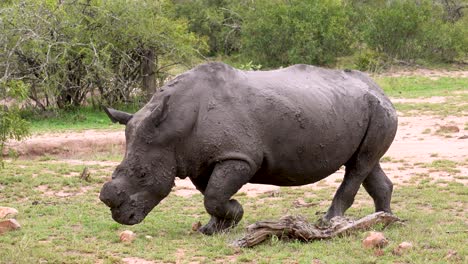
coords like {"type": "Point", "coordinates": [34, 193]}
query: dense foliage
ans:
{"type": "Point", "coordinates": [277, 33]}
{"type": "Point", "coordinates": [296, 31]}
{"type": "Point", "coordinates": [66, 51]}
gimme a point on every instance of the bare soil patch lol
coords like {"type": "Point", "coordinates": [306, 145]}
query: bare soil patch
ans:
{"type": "Point", "coordinates": [69, 144]}
{"type": "Point", "coordinates": [66, 192]}
{"type": "Point", "coordinates": [430, 100]}
{"type": "Point", "coordinates": [135, 260]}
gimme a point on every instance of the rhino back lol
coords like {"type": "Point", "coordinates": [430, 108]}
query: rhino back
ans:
{"type": "Point", "coordinates": [293, 126]}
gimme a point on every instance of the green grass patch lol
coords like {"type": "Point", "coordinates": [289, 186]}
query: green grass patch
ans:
{"type": "Point", "coordinates": [413, 87]}
{"type": "Point", "coordinates": [76, 119]}
{"type": "Point", "coordinates": [443, 165]}
{"type": "Point", "coordinates": [79, 229]}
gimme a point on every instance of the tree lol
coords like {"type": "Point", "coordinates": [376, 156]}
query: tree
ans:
{"type": "Point", "coordinates": [66, 50]}
{"type": "Point", "coordinates": [219, 21]}
{"type": "Point", "coordinates": [12, 126]}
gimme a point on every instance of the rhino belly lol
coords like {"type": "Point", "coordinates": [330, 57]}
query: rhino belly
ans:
{"type": "Point", "coordinates": [295, 165]}
{"type": "Point", "coordinates": [309, 143]}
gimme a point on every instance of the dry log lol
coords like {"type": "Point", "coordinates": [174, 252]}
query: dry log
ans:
{"type": "Point", "coordinates": [297, 227]}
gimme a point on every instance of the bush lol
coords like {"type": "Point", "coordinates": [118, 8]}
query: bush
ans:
{"type": "Point", "coordinates": [216, 20]}
{"type": "Point", "coordinates": [12, 126]}
{"type": "Point", "coordinates": [68, 50]}
{"type": "Point", "coordinates": [369, 60]}
{"type": "Point", "coordinates": [407, 30]}
{"type": "Point", "coordinates": [277, 33]}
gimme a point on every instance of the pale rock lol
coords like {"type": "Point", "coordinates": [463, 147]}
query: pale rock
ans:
{"type": "Point", "coordinates": [7, 212]}
{"type": "Point", "coordinates": [9, 225]}
{"type": "Point", "coordinates": [402, 248]}
{"type": "Point", "coordinates": [127, 236]}
{"type": "Point", "coordinates": [375, 240]}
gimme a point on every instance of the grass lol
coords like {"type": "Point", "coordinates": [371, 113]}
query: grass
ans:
{"type": "Point", "coordinates": [446, 109]}
{"type": "Point", "coordinates": [414, 87]}
{"type": "Point", "coordinates": [79, 229]}
{"type": "Point", "coordinates": [75, 119]}
{"type": "Point", "coordinates": [423, 87]}
{"type": "Point", "coordinates": [443, 165]}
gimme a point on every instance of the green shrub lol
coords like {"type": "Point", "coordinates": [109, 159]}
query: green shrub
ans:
{"type": "Point", "coordinates": [369, 60]}
{"type": "Point", "coordinates": [12, 126]}
{"type": "Point", "coordinates": [277, 33]}
{"type": "Point", "coordinates": [408, 30]}
{"type": "Point", "coordinates": [218, 21]}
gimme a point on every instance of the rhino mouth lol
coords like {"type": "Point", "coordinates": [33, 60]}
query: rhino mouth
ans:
{"type": "Point", "coordinates": [127, 215]}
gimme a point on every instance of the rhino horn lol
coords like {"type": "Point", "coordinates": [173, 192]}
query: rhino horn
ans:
{"type": "Point", "coordinates": [117, 116]}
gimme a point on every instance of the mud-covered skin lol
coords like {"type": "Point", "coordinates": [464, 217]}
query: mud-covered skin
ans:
{"type": "Point", "coordinates": [223, 128]}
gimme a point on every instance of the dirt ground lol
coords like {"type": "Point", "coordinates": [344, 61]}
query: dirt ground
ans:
{"type": "Point", "coordinates": [419, 141]}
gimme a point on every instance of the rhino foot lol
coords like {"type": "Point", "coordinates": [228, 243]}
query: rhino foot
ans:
{"type": "Point", "coordinates": [217, 225]}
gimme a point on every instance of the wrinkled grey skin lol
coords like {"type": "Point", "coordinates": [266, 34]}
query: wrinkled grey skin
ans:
{"type": "Point", "coordinates": [223, 128]}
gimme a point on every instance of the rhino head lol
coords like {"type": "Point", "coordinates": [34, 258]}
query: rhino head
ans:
{"type": "Point", "coordinates": [146, 174]}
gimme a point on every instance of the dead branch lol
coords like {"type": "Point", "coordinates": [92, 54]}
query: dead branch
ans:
{"type": "Point", "coordinates": [297, 227]}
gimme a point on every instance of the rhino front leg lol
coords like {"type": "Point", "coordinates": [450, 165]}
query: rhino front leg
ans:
{"type": "Point", "coordinates": [226, 179]}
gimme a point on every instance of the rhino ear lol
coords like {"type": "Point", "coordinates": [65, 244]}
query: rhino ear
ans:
{"type": "Point", "coordinates": [159, 113]}
{"type": "Point", "coordinates": [117, 116]}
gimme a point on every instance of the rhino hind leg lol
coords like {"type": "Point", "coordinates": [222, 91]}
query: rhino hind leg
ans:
{"type": "Point", "coordinates": [345, 194]}
{"type": "Point", "coordinates": [380, 188]}
{"type": "Point", "coordinates": [226, 179]}
{"type": "Point", "coordinates": [364, 167]}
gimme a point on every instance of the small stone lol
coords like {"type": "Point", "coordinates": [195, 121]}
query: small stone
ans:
{"type": "Point", "coordinates": [402, 248]}
{"type": "Point", "coordinates": [9, 225]}
{"type": "Point", "coordinates": [7, 212]}
{"type": "Point", "coordinates": [378, 252]}
{"type": "Point", "coordinates": [452, 255]}
{"type": "Point", "coordinates": [375, 240]}
{"type": "Point", "coordinates": [149, 237]}
{"type": "Point", "coordinates": [127, 236]}
{"type": "Point", "coordinates": [196, 226]}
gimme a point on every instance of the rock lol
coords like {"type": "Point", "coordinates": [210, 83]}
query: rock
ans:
{"type": "Point", "coordinates": [196, 226]}
{"type": "Point", "coordinates": [9, 225]}
{"type": "Point", "coordinates": [149, 237]}
{"type": "Point", "coordinates": [127, 236]}
{"type": "Point", "coordinates": [402, 248]}
{"type": "Point", "coordinates": [378, 252]}
{"type": "Point", "coordinates": [375, 240]}
{"type": "Point", "coordinates": [452, 255]}
{"type": "Point", "coordinates": [7, 212]}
